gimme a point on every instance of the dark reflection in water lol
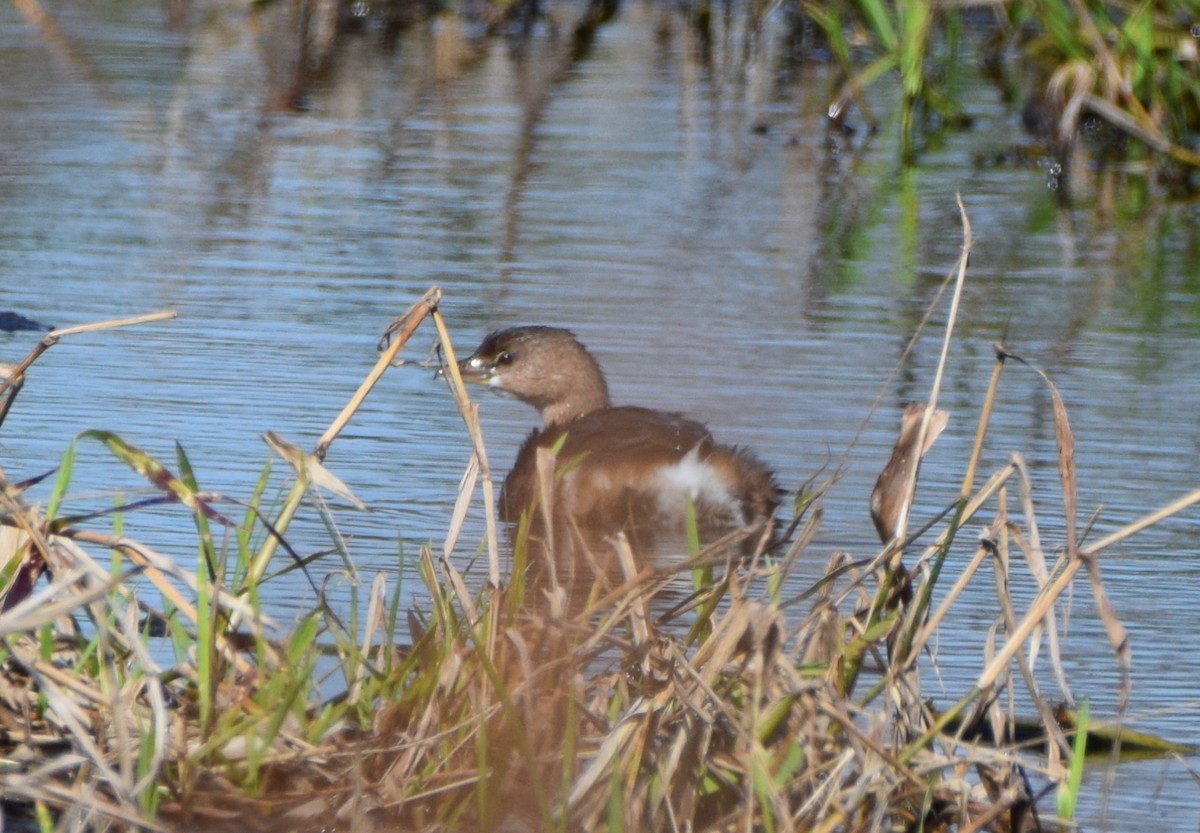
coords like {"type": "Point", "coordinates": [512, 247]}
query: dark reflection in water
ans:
{"type": "Point", "coordinates": [677, 202]}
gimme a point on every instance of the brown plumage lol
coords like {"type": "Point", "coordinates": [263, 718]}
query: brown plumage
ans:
{"type": "Point", "coordinates": [615, 467]}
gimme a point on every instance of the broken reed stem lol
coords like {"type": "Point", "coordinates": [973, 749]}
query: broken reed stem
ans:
{"type": "Point", "coordinates": [989, 489]}
{"type": "Point", "coordinates": [1051, 593]}
{"type": "Point", "coordinates": [955, 300]}
{"type": "Point", "coordinates": [470, 415]}
{"type": "Point", "coordinates": [156, 568]}
{"type": "Point", "coordinates": [894, 551]}
{"type": "Point", "coordinates": [930, 308]}
{"type": "Point", "coordinates": [997, 545]}
{"type": "Point", "coordinates": [17, 375]}
{"type": "Point", "coordinates": [403, 328]}
{"type": "Point", "coordinates": [921, 607]}
{"type": "Point", "coordinates": [1035, 558]}
{"type": "Point", "coordinates": [985, 417]}
{"type": "Point", "coordinates": [42, 608]}
{"type": "Point", "coordinates": [54, 335]}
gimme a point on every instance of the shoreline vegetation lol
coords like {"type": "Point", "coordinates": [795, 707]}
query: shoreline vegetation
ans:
{"type": "Point", "coordinates": [1097, 82]}
{"type": "Point", "coordinates": [503, 707]}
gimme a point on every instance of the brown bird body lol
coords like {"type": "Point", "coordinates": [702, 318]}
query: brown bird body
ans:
{"type": "Point", "coordinates": [614, 467]}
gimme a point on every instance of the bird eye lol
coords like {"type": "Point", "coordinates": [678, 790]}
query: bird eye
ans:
{"type": "Point", "coordinates": [504, 358]}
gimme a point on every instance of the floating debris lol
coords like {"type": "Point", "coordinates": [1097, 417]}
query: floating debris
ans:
{"type": "Point", "coordinates": [11, 322]}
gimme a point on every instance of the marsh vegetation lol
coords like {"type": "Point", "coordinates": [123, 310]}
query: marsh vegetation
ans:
{"type": "Point", "coordinates": [139, 693]}
{"type": "Point", "coordinates": [151, 688]}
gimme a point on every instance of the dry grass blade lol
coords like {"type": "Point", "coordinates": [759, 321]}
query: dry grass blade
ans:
{"type": "Point", "coordinates": [998, 546]}
{"type": "Point", "coordinates": [1036, 559]}
{"type": "Point", "coordinates": [1117, 634]}
{"type": "Point", "coordinates": [1065, 439]}
{"type": "Point", "coordinates": [58, 598]}
{"type": "Point", "coordinates": [462, 504]}
{"type": "Point", "coordinates": [1051, 593]}
{"type": "Point", "coordinates": [470, 415]}
{"type": "Point", "coordinates": [158, 568]}
{"type": "Point", "coordinates": [929, 420]}
{"type": "Point", "coordinates": [1118, 637]}
{"type": "Point", "coordinates": [373, 627]}
{"type": "Point", "coordinates": [309, 466]}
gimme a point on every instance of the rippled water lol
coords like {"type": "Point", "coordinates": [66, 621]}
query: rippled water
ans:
{"type": "Point", "coordinates": [695, 222]}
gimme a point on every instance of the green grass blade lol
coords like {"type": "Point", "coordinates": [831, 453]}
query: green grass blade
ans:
{"type": "Point", "coordinates": [879, 19]}
{"type": "Point", "coordinates": [1068, 793]}
{"type": "Point", "coordinates": [65, 469]}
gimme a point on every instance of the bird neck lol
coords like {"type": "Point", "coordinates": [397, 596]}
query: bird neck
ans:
{"type": "Point", "coordinates": [583, 400]}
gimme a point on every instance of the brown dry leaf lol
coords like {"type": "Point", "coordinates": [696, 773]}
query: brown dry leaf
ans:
{"type": "Point", "coordinates": [892, 495]}
{"type": "Point", "coordinates": [308, 465]}
{"type": "Point", "coordinates": [1066, 461]}
{"type": "Point", "coordinates": [1065, 439]}
{"type": "Point", "coordinates": [1118, 637]}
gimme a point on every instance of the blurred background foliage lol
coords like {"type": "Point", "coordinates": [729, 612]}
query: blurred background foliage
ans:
{"type": "Point", "coordinates": [1123, 76]}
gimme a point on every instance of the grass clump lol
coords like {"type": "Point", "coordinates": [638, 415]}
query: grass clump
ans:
{"type": "Point", "coordinates": [1133, 67]}
{"type": "Point", "coordinates": [527, 704]}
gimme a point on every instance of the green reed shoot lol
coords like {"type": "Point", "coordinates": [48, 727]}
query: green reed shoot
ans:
{"type": "Point", "coordinates": [1136, 62]}
{"type": "Point", "coordinates": [1068, 791]}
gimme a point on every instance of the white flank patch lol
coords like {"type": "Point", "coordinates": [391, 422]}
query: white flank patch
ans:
{"type": "Point", "coordinates": [691, 477]}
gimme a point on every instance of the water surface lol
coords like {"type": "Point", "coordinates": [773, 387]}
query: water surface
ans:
{"type": "Point", "coordinates": [689, 214]}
